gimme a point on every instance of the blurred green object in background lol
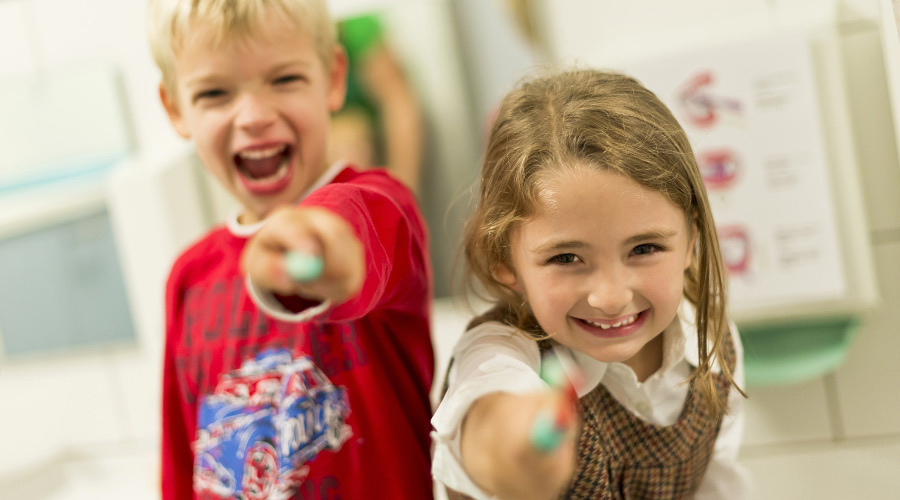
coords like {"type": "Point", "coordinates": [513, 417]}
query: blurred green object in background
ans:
{"type": "Point", "coordinates": [797, 351]}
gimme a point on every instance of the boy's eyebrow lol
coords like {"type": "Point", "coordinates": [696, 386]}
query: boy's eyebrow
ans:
{"type": "Point", "coordinates": [203, 79]}
{"type": "Point", "coordinates": [207, 78]}
{"type": "Point", "coordinates": [303, 63]}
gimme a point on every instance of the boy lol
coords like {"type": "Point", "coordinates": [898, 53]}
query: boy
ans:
{"type": "Point", "coordinates": [284, 388]}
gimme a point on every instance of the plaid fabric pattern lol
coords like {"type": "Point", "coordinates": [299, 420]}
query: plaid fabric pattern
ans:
{"type": "Point", "coordinates": [621, 457]}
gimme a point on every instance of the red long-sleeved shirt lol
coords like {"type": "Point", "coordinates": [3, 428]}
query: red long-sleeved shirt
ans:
{"type": "Point", "coordinates": [229, 417]}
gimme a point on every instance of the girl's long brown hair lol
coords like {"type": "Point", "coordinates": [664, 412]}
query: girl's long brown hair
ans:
{"type": "Point", "coordinates": [607, 121]}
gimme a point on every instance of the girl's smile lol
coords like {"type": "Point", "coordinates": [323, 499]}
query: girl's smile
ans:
{"type": "Point", "coordinates": [612, 329]}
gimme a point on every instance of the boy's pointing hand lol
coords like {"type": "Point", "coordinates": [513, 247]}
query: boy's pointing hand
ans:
{"type": "Point", "coordinates": [309, 252]}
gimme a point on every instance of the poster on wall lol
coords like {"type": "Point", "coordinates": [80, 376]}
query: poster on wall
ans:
{"type": "Point", "coordinates": [751, 112]}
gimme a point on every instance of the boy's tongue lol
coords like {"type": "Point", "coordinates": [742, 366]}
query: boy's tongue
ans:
{"type": "Point", "coordinates": [262, 168]}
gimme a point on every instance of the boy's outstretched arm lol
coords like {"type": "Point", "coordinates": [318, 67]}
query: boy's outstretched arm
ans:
{"type": "Point", "coordinates": [499, 452]}
{"type": "Point", "coordinates": [310, 231]}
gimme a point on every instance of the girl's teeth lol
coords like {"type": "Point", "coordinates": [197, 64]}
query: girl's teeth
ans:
{"type": "Point", "coordinates": [624, 322]}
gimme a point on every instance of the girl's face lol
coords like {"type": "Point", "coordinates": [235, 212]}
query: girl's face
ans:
{"type": "Point", "coordinates": [601, 263]}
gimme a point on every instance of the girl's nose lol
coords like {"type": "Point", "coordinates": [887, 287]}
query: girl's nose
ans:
{"type": "Point", "coordinates": [610, 293]}
{"type": "Point", "coordinates": [254, 114]}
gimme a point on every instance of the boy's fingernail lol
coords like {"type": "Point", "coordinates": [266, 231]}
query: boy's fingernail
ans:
{"type": "Point", "coordinates": [545, 435]}
{"type": "Point", "coordinates": [303, 267]}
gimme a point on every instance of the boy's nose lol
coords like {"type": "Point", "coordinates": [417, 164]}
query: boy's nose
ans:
{"type": "Point", "coordinates": [254, 114]}
{"type": "Point", "coordinates": [610, 294]}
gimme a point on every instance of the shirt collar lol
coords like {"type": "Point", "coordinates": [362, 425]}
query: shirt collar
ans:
{"type": "Point", "coordinates": [247, 230]}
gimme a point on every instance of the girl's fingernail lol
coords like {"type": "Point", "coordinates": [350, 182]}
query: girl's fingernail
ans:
{"type": "Point", "coordinates": [545, 435]}
{"type": "Point", "coordinates": [303, 267]}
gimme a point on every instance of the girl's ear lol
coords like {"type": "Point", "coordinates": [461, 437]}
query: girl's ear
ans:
{"type": "Point", "coordinates": [506, 277]}
{"type": "Point", "coordinates": [690, 248]}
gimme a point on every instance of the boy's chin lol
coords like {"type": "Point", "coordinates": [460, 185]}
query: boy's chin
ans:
{"type": "Point", "coordinates": [258, 208]}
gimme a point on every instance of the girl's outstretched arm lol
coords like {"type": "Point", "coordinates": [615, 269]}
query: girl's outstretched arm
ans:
{"type": "Point", "coordinates": [498, 448]}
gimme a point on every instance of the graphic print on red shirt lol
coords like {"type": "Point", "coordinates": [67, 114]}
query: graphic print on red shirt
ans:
{"type": "Point", "coordinates": [276, 413]}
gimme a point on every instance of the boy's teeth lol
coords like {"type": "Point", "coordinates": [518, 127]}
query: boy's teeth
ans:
{"type": "Point", "coordinates": [259, 154]}
{"type": "Point", "coordinates": [262, 163]}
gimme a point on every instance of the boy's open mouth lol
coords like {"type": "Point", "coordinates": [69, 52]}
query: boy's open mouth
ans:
{"type": "Point", "coordinates": [264, 170]}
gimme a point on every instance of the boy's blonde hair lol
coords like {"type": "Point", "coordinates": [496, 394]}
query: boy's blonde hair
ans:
{"type": "Point", "coordinates": [594, 119]}
{"type": "Point", "coordinates": [169, 21]}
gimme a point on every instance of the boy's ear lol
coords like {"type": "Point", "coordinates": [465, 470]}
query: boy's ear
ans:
{"type": "Point", "coordinates": [506, 277]}
{"type": "Point", "coordinates": [337, 85]}
{"type": "Point", "coordinates": [175, 118]}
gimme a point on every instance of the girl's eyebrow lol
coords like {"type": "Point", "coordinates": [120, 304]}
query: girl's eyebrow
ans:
{"type": "Point", "coordinates": [653, 234]}
{"type": "Point", "coordinates": [559, 245]}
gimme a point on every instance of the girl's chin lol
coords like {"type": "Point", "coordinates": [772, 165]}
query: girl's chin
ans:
{"type": "Point", "coordinates": [610, 356]}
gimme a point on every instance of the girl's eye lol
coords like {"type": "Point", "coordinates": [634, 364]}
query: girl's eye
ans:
{"type": "Point", "coordinates": [646, 249]}
{"type": "Point", "coordinates": [565, 258]}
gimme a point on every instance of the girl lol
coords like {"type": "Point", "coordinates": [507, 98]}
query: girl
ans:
{"type": "Point", "coordinates": [593, 237]}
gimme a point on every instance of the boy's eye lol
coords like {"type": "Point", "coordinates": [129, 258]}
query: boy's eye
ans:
{"type": "Point", "coordinates": [209, 94]}
{"type": "Point", "coordinates": [646, 249]}
{"type": "Point", "coordinates": [564, 258]}
{"type": "Point", "coordinates": [288, 79]}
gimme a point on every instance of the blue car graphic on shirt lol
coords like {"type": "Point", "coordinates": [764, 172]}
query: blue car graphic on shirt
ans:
{"type": "Point", "coordinates": [262, 423]}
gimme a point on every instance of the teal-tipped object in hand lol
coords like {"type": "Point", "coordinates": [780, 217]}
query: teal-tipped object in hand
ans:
{"type": "Point", "coordinates": [550, 427]}
{"type": "Point", "coordinates": [552, 371]}
{"type": "Point", "coordinates": [546, 436]}
{"type": "Point", "coordinates": [303, 267]}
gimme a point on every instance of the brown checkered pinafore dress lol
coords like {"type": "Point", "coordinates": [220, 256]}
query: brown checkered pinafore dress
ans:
{"type": "Point", "coordinates": [621, 457]}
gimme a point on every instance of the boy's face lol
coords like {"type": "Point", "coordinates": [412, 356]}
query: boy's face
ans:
{"type": "Point", "coordinates": [258, 110]}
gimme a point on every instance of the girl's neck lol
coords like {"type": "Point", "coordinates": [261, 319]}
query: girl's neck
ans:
{"type": "Point", "coordinates": [648, 360]}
